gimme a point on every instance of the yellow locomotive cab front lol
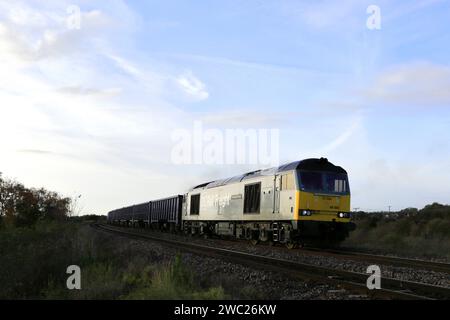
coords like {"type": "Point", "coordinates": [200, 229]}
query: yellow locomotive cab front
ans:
{"type": "Point", "coordinates": [322, 207]}
{"type": "Point", "coordinates": [323, 201]}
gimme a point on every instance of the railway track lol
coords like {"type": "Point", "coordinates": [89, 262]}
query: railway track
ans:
{"type": "Point", "coordinates": [352, 281]}
{"type": "Point", "coordinates": [347, 254]}
{"type": "Point", "coordinates": [376, 258]}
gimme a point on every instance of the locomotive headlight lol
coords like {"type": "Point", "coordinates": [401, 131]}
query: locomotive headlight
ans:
{"type": "Point", "coordinates": [344, 215]}
{"type": "Point", "coordinates": [306, 213]}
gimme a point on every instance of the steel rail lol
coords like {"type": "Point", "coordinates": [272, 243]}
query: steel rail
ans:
{"type": "Point", "coordinates": [369, 257]}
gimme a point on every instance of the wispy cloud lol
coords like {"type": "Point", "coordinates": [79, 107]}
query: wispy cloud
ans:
{"type": "Point", "coordinates": [192, 86]}
{"type": "Point", "coordinates": [125, 65]}
{"type": "Point", "coordinates": [79, 90]}
{"type": "Point", "coordinates": [351, 129]}
{"type": "Point", "coordinates": [248, 118]}
{"type": "Point", "coordinates": [424, 84]}
{"type": "Point", "coordinates": [35, 151]}
{"type": "Point", "coordinates": [260, 65]}
{"type": "Point", "coordinates": [324, 14]}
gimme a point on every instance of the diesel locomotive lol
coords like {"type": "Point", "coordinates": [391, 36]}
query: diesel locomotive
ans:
{"type": "Point", "coordinates": [296, 203]}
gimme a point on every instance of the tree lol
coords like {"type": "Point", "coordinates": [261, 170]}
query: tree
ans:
{"type": "Point", "coordinates": [21, 206]}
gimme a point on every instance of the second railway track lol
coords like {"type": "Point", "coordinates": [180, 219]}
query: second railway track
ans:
{"type": "Point", "coordinates": [352, 281]}
{"type": "Point", "coordinates": [376, 258]}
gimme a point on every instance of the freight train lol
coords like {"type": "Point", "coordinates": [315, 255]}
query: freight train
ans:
{"type": "Point", "coordinates": [299, 202]}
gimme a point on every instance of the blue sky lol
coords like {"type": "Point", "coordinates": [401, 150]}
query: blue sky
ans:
{"type": "Point", "coordinates": [91, 111]}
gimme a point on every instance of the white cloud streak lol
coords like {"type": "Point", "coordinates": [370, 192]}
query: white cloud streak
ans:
{"type": "Point", "coordinates": [192, 86]}
{"type": "Point", "coordinates": [421, 83]}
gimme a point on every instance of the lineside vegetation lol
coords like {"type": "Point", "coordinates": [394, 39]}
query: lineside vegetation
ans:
{"type": "Point", "coordinates": [410, 232]}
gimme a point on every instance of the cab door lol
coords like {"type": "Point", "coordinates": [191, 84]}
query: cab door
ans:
{"type": "Point", "coordinates": [276, 194]}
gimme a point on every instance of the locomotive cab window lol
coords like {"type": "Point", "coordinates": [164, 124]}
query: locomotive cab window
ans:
{"type": "Point", "coordinates": [252, 198]}
{"type": "Point", "coordinates": [329, 182]}
{"type": "Point", "coordinates": [195, 204]}
{"type": "Point", "coordinates": [336, 182]}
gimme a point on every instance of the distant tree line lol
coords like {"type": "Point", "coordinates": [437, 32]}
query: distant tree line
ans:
{"type": "Point", "coordinates": [88, 217]}
{"type": "Point", "coordinates": [411, 232]}
{"type": "Point", "coordinates": [21, 206]}
{"type": "Point", "coordinates": [430, 211]}
{"type": "Point", "coordinates": [431, 220]}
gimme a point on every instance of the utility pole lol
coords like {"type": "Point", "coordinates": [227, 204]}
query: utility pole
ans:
{"type": "Point", "coordinates": [389, 209]}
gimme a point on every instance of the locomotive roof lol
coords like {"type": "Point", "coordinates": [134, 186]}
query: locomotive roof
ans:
{"type": "Point", "coordinates": [312, 164]}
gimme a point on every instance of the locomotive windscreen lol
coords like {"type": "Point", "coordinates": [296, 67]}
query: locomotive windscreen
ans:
{"type": "Point", "coordinates": [327, 182]}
